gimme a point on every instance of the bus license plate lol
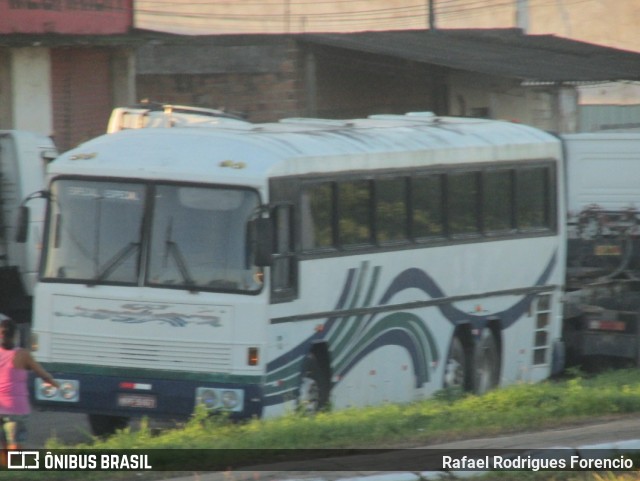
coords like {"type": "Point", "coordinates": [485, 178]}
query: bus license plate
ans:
{"type": "Point", "coordinates": [137, 401]}
{"type": "Point", "coordinates": [608, 250]}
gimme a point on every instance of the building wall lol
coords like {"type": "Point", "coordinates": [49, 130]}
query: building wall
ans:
{"type": "Point", "coordinates": [547, 107]}
{"type": "Point", "coordinates": [81, 94]}
{"type": "Point", "coordinates": [260, 81]}
{"type": "Point", "coordinates": [291, 80]}
{"type": "Point", "coordinates": [352, 85]}
{"type": "Point", "coordinates": [612, 23]}
{"type": "Point", "coordinates": [64, 16]}
{"type": "Point", "coordinates": [65, 92]}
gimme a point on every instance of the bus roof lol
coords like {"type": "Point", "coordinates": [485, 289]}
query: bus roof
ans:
{"type": "Point", "coordinates": [246, 153]}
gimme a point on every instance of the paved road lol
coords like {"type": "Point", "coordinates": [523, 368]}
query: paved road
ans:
{"type": "Point", "coordinates": [68, 428]}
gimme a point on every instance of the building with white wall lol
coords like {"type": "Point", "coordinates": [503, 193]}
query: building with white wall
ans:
{"type": "Point", "coordinates": [64, 66]}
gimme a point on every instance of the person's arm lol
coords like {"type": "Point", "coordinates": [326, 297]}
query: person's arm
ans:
{"type": "Point", "coordinates": [30, 363]}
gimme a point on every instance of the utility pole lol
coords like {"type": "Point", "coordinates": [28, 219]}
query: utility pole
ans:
{"type": "Point", "coordinates": [287, 16]}
{"type": "Point", "coordinates": [432, 15]}
{"type": "Point", "coordinates": [522, 15]}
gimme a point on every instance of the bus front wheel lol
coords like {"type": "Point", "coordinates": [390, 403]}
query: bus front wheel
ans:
{"type": "Point", "coordinates": [314, 387]}
{"type": "Point", "coordinates": [103, 425]}
{"type": "Point", "coordinates": [486, 363]}
{"type": "Point", "coordinates": [455, 375]}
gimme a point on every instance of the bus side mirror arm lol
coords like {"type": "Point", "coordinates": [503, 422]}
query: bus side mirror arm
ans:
{"type": "Point", "coordinates": [263, 237]}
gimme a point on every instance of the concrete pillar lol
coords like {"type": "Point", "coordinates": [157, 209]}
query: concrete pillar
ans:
{"type": "Point", "coordinates": [32, 106]}
{"type": "Point", "coordinates": [6, 113]}
{"type": "Point", "coordinates": [311, 85]}
{"type": "Point", "coordinates": [566, 109]}
{"type": "Point", "coordinates": [123, 77]}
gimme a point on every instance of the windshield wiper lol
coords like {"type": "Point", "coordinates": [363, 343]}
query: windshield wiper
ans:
{"type": "Point", "coordinates": [112, 264]}
{"type": "Point", "coordinates": [171, 247]}
{"type": "Point", "coordinates": [174, 250]}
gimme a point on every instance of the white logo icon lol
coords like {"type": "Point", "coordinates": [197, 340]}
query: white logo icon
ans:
{"type": "Point", "coordinates": [23, 460]}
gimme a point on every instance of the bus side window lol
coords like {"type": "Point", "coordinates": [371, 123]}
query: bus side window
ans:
{"type": "Point", "coordinates": [533, 198]}
{"type": "Point", "coordinates": [497, 201]}
{"type": "Point", "coordinates": [427, 205]}
{"type": "Point", "coordinates": [317, 217]}
{"type": "Point", "coordinates": [354, 213]}
{"type": "Point", "coordinates": [391, 214]}
{"type": "Point", "coordinates": [283, 270]}
{"type": "Point", "coordinates": [462, 202]}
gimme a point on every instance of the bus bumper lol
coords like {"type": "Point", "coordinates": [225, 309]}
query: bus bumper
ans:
{"type": "Point", "coordinates": [135, 397]}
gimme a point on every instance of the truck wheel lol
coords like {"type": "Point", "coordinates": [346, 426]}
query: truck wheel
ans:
{"type": "Point", "coordinates": [313, 394]}
{"type": "Point", "coordinates": [103, 425]}
{"type": "Point", "coordinates": [486, 363]}
{"type": "Point", "coordinates": [455, 369]}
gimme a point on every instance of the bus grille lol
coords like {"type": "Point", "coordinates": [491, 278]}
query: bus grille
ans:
{"type": "Point", "coordinates": [140, 353]}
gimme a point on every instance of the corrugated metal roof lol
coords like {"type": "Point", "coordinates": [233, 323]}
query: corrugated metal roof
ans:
{"type": "Point", "coordinates": [502, 52]}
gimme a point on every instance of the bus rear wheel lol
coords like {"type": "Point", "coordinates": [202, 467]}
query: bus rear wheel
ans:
{"type": "Point", "coordinates": [103, 425]}
{"type": "Point", "coordinates": [313, 394]}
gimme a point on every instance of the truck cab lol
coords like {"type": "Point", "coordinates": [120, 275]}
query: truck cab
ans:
{"type": "Point", "coordinates": [23, 159]}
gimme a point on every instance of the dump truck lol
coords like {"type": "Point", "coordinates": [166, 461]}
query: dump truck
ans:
{"type": "Point", "coordinates": [602, 302]}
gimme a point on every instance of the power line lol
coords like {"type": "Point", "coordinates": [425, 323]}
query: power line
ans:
{"type": "Point", "coordinates": [407, 16]}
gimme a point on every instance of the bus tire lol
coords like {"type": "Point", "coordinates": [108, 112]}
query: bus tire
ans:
{"type": "Point", "coordinates": [486, 363]}
{"type": "Point", "coordinates": [313, 395]}
{"type": "Point", "coordinates": [104, 425]}
{"type": "Point", "coordinates": [455, 369]}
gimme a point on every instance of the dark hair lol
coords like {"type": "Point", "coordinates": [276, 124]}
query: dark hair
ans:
{"type": "Point", "coordinates": [8, 332]}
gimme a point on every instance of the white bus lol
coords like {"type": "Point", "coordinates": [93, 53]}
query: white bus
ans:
{"type": "Point", "coordinates": [262, 268]}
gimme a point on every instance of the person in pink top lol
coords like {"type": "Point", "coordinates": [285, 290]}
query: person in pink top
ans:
{"type": "Point", "coordinates": [14, 395]}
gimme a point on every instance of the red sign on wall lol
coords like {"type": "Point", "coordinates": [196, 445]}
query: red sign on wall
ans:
{"type": "Point", "coordinates": [86, 17]}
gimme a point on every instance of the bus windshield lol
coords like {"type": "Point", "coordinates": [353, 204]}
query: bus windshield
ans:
{"type": "Point", "coordinates": [160, 235]}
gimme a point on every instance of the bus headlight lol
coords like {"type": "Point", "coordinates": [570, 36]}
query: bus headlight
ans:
{"type": "Point", "coordinates": [223, 399]}
{"type": "Point", "coordinates": [69, 390]}
{"type": "Point", "coordinates": [209, 398]}
{"type": "Point", "coordinates": [230, 399]}
{"type": "Point", "coordinates": [48, 391]}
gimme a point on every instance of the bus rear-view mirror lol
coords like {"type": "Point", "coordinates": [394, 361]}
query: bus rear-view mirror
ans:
{"type": "Point", "coordinates": [22, 224]}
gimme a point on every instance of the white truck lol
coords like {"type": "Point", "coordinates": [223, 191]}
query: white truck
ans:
{"type": "Point", "coordinates": [602, 308]}
{"type": "Point", "coordinates": [23, 159]}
